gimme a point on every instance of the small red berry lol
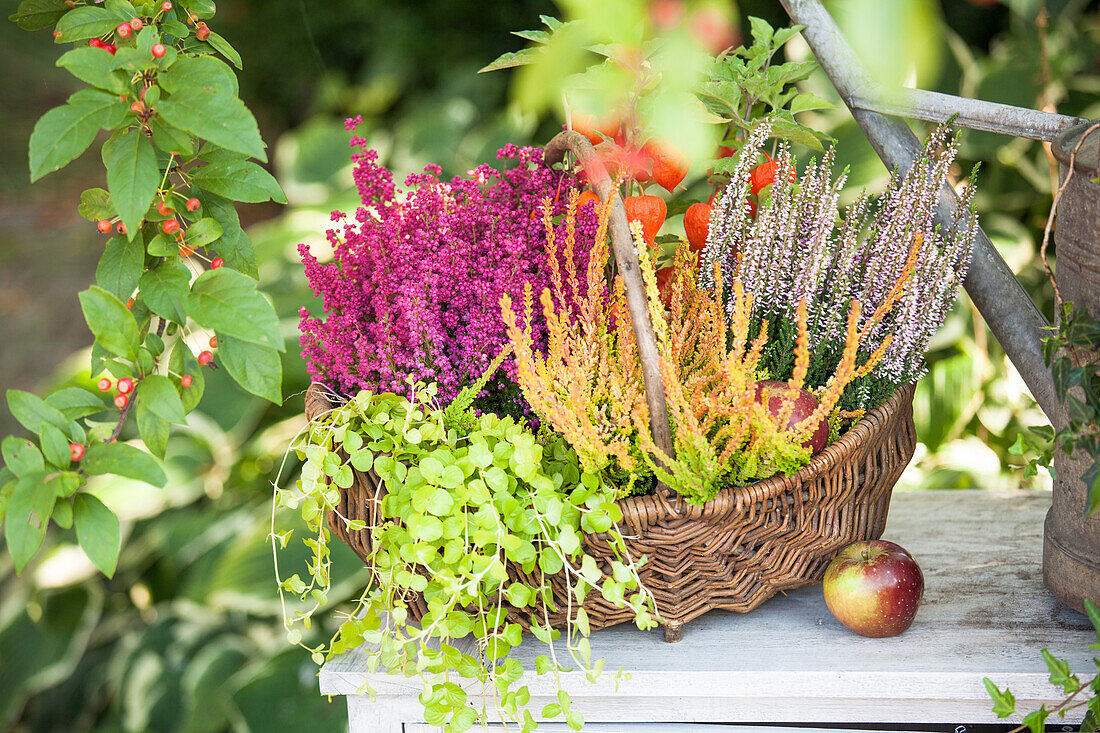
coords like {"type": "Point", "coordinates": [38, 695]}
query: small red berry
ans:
{"type": "Point", "coordinates": [136, 24]}
{"type": "Point", "coordinates": [95, 43]}
{"type": "Point", "coordinates": [103, 225]}
{"type": "Point", "coordinates": [170, 226]}
{"type": "Point", "coordinates": [130, 303]}
{"type": "Point", "coordinates": [76, 451]}
{"type": "Point", "coordinates": [185, 380]}
{"type": "Point", "coordinates": [166, 6]}
{"type": "Point", "coordinates": [104, 384]}
{"type": "Point", "coordinates": [202, 32]}
{"type": "Point", "coordinates": [125, 385]}
{"type": "Point", "coordinates": [121, 401]}
{"type": "Point", "coordinates": [124, 30]}
{"type": "Point", "coordinates": [164, 209]}
{"type": "Point", "coordinates": [186, 250]}
{"type": "Point", "coordinates": [205, 358]}
{"type": "Point", "coordinates": [57, 34]}
{"type": "Point", "coordinates": [193, 204]}
{"type": "Point", "coordinates": [216, 263]}
{"type": "Point", "coordinates": [109, 48]}
{"type": "Point", "coordinates": [159, 50]}
{"type": "Point", "coordinates": [121, 228]}
{"type": "Point", "coordinates": [138, 107]}
{"type": "Point", "coordinates": [213, 342]}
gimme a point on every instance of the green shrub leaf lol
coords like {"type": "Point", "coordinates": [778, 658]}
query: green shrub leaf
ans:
{"type": "Point", "coordinates": [205, 72]}
{"type": "Point", "coordinates": [34, 15]}
{"type": "Point", "coordinates": [97, 532]}
{"type": "Point", "coordinates": [28, 513]}
{"type": "Point", "coordinates": [120, 267]}
{"type": "Point", "coordinates": [21, 456]}
{"type": "Point", "coordinates": [95, 203]}
{"type": "Point", "coordinates": [182, 361]}
{"type": "Point", "coordinates": [84, 23]}
{"type": "Point", "coordinates": [229, 303]}
{"type": "Point", "coordinates": [217, 116]}
{"type": "Point", "coordinates": [165, 289]}
{"type": "Point", "coordinates": [112, 324]}
{"type": "Point", "coordinates": [95, 66]}
{"type": "Point", "coordinates": [239, 181]}
{"type": "Point", "coordinates": [255, 367]}
{"type": "Point", "coordinates": [31, 411]}
{"type": "Point", "coordinates": [225, 49]}
{"type": "Point", "coordinates": [65, 132]}
{"type": "Point", "coordinates": [161, 398]}
{"type": "Point", "coordinates": [234, 246]}
{"type": "Point", "coordinates": [203, 232]}
{"type": "Point", "coordinates": [55, 446]}
{"type": "Point", "coordinates": [167, 137]}
{"type": "Point", "coordinates": [132, 176]}
{"type": "Point", "coordinates": [124, 460]}
{"type": "Point", "coordinates": [74, 402]}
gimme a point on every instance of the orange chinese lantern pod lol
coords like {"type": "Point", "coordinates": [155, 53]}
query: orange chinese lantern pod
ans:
{"type": "Point", "coordinates": [593, 127]}
{"type": "Point", "coordinates": [765, 174]}
{"type": "Point", "coordinates": [669, 167]}
{"type": "Point", "coordinates": [697, 225]}
{"type": "Point", "coordinates": [588, 197]}
{"type": "Point", "coordinates": [650, 211]}
{"type": "Point", "coordinates": [626, 162]}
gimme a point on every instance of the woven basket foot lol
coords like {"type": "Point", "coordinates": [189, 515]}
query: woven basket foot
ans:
{"type": "Point", "coordinates": [674, 631]}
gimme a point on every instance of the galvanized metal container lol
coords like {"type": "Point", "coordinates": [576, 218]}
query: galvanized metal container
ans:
{"type": "Point", "coordinates": [1071, 543]}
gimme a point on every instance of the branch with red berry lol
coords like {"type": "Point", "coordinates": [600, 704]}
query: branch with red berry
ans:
{"type": "Point", "coordinates": [176, 267]}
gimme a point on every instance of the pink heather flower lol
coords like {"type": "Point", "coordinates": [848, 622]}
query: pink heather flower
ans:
{"type": "Point", "coordinates": [416, 279]}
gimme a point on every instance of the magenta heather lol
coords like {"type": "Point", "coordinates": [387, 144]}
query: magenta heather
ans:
{"type": "Point", "coordinates": [415, 282]}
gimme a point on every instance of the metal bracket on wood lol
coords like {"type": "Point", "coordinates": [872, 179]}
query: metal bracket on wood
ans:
{"type": "Point", "coordinates": [1012, 316]}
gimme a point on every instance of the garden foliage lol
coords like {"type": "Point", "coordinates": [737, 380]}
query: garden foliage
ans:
{"type": "Point", "coordinates": [177, 158]}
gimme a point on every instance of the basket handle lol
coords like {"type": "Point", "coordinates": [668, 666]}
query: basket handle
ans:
{"type": "Point", "coordinates": [627, 260]}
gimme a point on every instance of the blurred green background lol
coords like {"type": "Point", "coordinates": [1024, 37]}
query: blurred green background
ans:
{"type": "Point", "coordinates": [187, 636]}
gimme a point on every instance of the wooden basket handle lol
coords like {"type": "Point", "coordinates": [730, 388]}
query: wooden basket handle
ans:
{"type": "Point", "coordinates": [627, 260]}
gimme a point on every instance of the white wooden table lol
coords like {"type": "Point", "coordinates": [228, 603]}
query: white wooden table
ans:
{"type": "Point", "coordinates": [985, 614]}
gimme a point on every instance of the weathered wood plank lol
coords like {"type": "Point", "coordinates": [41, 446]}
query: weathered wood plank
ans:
{"type": "Point", "coordinates": [985, 613]}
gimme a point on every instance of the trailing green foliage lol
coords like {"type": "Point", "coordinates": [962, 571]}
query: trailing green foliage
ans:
{"type": "Point", "coordinates": [464, 498]}
{"type": "Point", "coordinates": [1004, 702]}
{"type": "Point", "coordinates": [177, 156]}
{"type": "Point", "coordinates": [1071, 354]}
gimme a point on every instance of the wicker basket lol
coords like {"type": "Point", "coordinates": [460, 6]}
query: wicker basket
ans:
{"type": "Point", "coordinates": [736, 551]}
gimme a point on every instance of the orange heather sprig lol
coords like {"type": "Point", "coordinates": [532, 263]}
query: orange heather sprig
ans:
{"type": "Point", "coordinates": [588, 384]}
{"type": "Point", "coordinates": [589, 381]}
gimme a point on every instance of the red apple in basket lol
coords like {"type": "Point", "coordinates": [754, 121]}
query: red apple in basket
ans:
{"type": "Point", "coordinates": [773, 394]}
{"type": "Point", "coordinates": [874, 588]}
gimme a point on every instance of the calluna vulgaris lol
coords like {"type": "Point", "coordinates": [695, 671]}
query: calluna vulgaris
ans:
{"type": "Point", "coordinates": [799, 249]}
{"type": "Point", "coordinates": [416, 278]}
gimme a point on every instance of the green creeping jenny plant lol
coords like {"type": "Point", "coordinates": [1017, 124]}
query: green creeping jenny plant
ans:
{"type": "Point", "coordinates": [465, 495]}
{"type": "Point", "coordinates": [176, 265]}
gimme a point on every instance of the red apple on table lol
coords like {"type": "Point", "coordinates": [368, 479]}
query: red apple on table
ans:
{"type": "Point", "coordinates": [874, 588]}
{"type": "Point", "coordinates": [775, 394]}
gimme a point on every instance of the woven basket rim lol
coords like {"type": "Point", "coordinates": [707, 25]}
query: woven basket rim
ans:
{"type": "Point", "coordinates": [836, 453]}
